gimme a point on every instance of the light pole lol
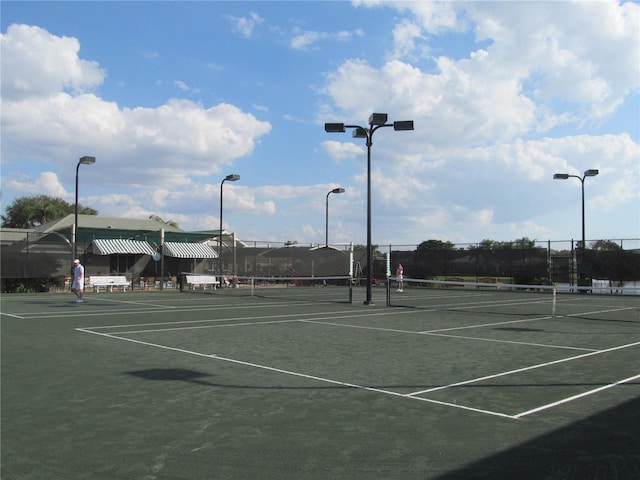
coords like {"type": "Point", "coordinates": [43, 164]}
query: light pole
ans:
{"type": "Point", "coordinates": [83, 161]}
{"type": "Point", "coordinates": [592, 172]}
{"type": "Point", "coordinates": [335, 190]}
{"type": "Point", "coordinates": [231, 178]}
{"type": "Point", "coordinates": [376, 121]}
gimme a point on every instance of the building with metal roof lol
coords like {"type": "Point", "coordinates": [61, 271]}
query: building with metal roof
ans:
{"type": "Point", "coordinates": [139, 249]}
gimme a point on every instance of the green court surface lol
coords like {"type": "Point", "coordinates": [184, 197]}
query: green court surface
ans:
{"type": "Point", "coordinates": [455, 385]}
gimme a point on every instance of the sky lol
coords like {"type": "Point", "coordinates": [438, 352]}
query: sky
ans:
{"type": "Point", "coordinates": [171, 97]}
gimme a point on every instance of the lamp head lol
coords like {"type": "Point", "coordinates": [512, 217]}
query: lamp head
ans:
{"type": "Point", "coordinates": [233, 177]}
{"type": "Point", "coordinates": [592, 172]}
{"type": "Point", "coordinates": [378, 119]}
{"type": "Point", "coordinates": [338, 190]}
{"type": "Point", "coordinates": [560, 176]}
{"type": "Point", "coordinates": [359, 132]}
{"type": "Point", "coordinates": [403, 125]}
{"type": "Point", "coordinates": [87, 160]}
{"type": "Point", "coordinates": [334, 127]}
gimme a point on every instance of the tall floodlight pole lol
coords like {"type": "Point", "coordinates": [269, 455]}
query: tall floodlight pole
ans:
{"type": "Point", "coordinates": [592, 172]}
{"type": "Point", "coordinates": [335, 190]}
{"type": "Point", "coordinates": [231, 178]}
{"type": "Point", "coordinates": [376, 121]}
{"type": "Point", "coordinates": [74, 231]}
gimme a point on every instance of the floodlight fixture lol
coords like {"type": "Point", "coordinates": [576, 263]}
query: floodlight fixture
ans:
{"type": "Point", "coordinates": [230, 178]}
{"type": "Point", "coordinates": [334, 127]}
{"type": "Point", "coordinates": [86, 160]}
{"type": "Point", "coordinates": [326, 230]}
{"type": "Point", "coordinates": [403, 125]}
{"type": "Point", "coordinates": [378, 119]}
{"type": "Point", "coordinates": [359, 132]}
{"type": "Point", "coordinates": [592, 172]}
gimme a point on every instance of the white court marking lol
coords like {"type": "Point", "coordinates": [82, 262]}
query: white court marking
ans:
{"type": "Point", "coordinates": [298, 374]}
{"type": "Point", "coordinates": [350, 314]}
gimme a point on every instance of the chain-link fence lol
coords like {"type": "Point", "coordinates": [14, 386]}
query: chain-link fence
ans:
{"type": "Point", "coordinates": [34, 262]}
{"type": "Point", "coordinates": [543, 263]}
{"type": "Point", "coordinates": [279, 259]}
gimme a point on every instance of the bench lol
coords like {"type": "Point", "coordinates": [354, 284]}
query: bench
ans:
{"type": "Point", "coordinates": [108, 282]}
{"type": "Point", "coordinates": [488, 282]}
{"type": "Point", "coordinates": [202, 281]}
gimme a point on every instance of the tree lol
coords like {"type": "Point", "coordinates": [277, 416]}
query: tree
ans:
{"type": "Point", "coordinates": [29, 212]}
{"type": "Point", "coordinates": [605, 245]}
{"type": "Point", "coordinates": [167, 222]}
{"type": "Point", "coordinates": [435, 245]}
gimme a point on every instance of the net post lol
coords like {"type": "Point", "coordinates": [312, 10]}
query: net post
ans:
{"type": "Point", "coordinates": [351, 272]}
{"type": "Point", "coordinates": [389, 277]}
{"type": "Point", "coordinates": [388, 291]}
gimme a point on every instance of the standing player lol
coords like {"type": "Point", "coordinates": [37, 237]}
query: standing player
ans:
{"type": "Point", "coordinates": [400, 277]}
{"type": "Point", "coordinates": [77, 285]}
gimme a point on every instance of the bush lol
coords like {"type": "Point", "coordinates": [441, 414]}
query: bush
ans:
{"type": "Point", "coordinates": [25, 285]}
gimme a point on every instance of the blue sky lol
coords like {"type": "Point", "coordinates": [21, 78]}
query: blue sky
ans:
{"type": "Point", "coordinates": [171, 97]}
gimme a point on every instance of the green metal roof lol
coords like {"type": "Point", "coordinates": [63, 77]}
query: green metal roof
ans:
{"type": "Point", "coordinates": [91, 227]}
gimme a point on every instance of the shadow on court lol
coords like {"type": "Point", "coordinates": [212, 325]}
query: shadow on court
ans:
{"type": "Point", "coordinates": [196, 378]}
{"type": "Point", "coordinates": [603, 446]}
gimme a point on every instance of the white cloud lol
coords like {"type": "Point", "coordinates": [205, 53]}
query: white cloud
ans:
{"type": "Point", "coordinates": [303, 40]}
{"type": "Point", "coordinates": [46, 183]}
{"type": "Point", "coordinates": [179, 136]}
{"type": "Point", "coordinates": [245, 26]}
{"type": "Point", "coordinates": [37, 63]}
{"type": "Point", "coordinates": [405, 37]}
{"type": "Point", "coordinates": [476, 166]}
{"type": "Point", "coordinates": [181, 85]}
{"type": "Point", "coordinates": [340, 151]}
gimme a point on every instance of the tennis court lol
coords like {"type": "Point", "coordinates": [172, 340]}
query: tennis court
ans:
{"type": "Point", "coordinates": [303, 381]}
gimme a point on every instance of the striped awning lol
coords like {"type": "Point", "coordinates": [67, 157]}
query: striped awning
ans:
{"type": "Point", "coordinates": [113, 245]}
{"type": "Point", "coordinates": [188, 250]}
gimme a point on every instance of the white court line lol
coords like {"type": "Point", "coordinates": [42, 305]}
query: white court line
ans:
{"type": "Point", "coordinates": [156, 330]}
{"type": "Point", "coordinates": [513, 342]}
{"type": "Point", "coordinates": [493, 324]}
{"type": "Point", "coordinates": [99, 313]}
{"type": "Point", "coordinates": [244, 324]}
{"type": "Point", "coordinates": [337, 314]}
{"type": "Point", "coordinates": [575, 397]}
{"type": "Point", "coordinates": [524, 369]}
{"type": "Point", "coordinates": [463, 337]}
{"type": "Point", "coordinates": [298, 374]}
{"type": "Point", "coordinates": [12, 315]}
{"type": "Point", "coordinates": [131, 302]}
{"type": "Point", "coordinates": [412, 395]}
{"type": "Point", "coordinates": [595, 312]}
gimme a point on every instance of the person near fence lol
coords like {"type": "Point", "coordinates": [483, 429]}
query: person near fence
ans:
{"type": "Point", "coordinates": [400, 277]}
{"type": "Point", "coordinates": [77, 284]}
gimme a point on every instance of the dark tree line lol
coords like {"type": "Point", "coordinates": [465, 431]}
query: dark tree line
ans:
{"type": "Point", "coordinates": [29, 212]}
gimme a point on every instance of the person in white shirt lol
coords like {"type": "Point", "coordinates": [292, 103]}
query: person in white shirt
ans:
{"type": "Point", "coordinates": [77, 285]}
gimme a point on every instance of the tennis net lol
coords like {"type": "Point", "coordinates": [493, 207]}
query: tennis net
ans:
{"type": "Point", "coordinates": [331, 288]}
{"type": "Point", "coordinates": [489, 296]}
